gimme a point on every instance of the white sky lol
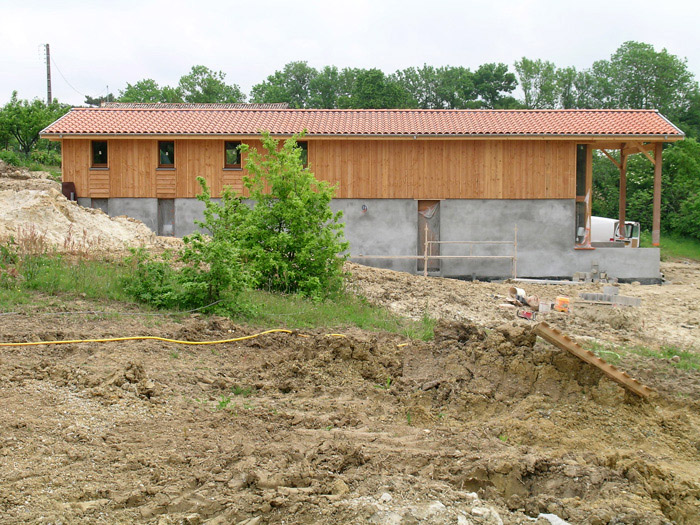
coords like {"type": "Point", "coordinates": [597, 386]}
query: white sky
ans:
{"type": "Point", "coordinates": [98, 43]}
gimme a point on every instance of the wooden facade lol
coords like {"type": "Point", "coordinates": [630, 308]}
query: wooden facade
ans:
{"type": "Point", "coordinates": [361, 168]}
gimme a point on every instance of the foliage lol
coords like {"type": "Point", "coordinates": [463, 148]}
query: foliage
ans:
{"type": "Point", "coordinates": [291, 237]}
{"type": "Point", "coordinates": [145, 91]}
{"type": "Point", "coordinates": [208, 275]}
{"type": "Point", "coordinates": [202, 85]}
{"type": "Point", "coordinates": [674, 246]}
{"type": "Point", "coordinates": [680, 189]}
{"type": "Point", "coordinates": [302, 86]}
{"type": "Point", "coordinates": [538, 80]}
{"type": "Point", "coordinates": [23, 120]}
{"type": "Point", "coordinates": [98, 100]}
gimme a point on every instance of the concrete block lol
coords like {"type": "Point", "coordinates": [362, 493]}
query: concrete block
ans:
{"type": "Point", "coordinates": [611, 290]}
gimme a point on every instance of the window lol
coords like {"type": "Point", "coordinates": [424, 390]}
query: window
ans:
{"type": "Point", "coordinates": [166, 154]}
{"type": "Point", "coordinates": [232, 155]}
{"type": "Point", "coordinates": [304, 146]}
{"type": "Point", "coordinates": [99, 154]}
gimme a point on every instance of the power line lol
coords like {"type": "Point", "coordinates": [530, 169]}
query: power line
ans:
{"type": "Point", "coordinates": [65, 79]}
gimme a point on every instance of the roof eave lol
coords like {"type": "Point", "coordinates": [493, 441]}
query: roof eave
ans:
{"type": "Point", "coordinates": [580, 137]}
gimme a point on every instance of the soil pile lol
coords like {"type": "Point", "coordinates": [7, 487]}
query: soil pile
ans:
{"type": "Point", "coordinates": [478, 427]}
{"type": "Point", "coordinates": [34, 212]}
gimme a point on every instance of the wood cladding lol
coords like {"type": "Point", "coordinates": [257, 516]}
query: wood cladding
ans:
{"type": "Point", "coordinates": [366, 169]}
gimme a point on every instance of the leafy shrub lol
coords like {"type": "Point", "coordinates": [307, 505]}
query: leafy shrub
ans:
{"type": "Point", "coordinates": [291, 237]}
{"type": "Point", "coordinates": [47, 158]}
{"type": "Point", "coordinates": [150, 281]}
{"type": "Point", "coordinates": [10, 157]}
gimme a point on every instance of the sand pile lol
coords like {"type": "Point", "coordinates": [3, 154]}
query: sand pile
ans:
{"type": "Point", "coordinates": [34, 212]}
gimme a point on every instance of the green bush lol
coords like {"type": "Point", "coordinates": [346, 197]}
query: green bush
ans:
{"type": "Point", "coordinates": [151, 281]}
{"type": "Point", "coordinates": [291, 237]}
{"type": "Point", "coordinates": [10, 157]}
{"type": "Point", "coordinates": [47, 158]}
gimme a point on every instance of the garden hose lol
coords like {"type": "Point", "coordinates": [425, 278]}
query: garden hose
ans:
{"type": "Point", "coordinates": [152, 338]}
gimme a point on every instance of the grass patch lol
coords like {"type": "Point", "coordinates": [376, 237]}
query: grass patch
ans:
{"type": "Point", "coordinates": [53, 274]}
{"type": "Point", "coordinates": [673, 246]}
{"type": "Point", "coordinates": [295, 312]}
{"type": "Point", "coordinates": [686, 359]}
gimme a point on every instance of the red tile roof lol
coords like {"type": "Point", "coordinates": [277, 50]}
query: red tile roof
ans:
{"type": "Point", "coordinates": [362, 122]}
{"type": "Point", "coordinates": [186, 105]}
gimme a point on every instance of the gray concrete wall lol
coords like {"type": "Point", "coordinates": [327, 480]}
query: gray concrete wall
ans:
{"type": "Point", "coordinates": [545, 242]}
{"type": "Point", "coordinates": [145, 210]}
{"type": "Point", "coordinates": [387, 227]}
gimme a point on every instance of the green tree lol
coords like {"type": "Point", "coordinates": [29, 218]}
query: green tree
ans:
{"type": "Point", "coordinates": [97, 101]}
{"type": "Point", "coordinates": [493, 84]}
{"type": "Point", "coordinates": [291, 237]}
{"type": "Point", "coordinates": [24, 119]}
{"type": "Point", "coordinates": [145, 91]}
{"type": "Point", "coordinates": [538, 80]}
{"type": "Point", "coordinates": [638, 76]}
{"type": "Point", "coordinates": [291, 85]}
{"type": "Point", "coordinates": [202, 85]}
{"type": "Point", "coordinates": [373, 89]}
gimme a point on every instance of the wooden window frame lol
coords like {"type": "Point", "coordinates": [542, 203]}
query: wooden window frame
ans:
{"type": "Point", "coordinates": [98, 165]}
{"type": "Point", "coordinates": [166, 166]}
{"type": "Point", "coordinates": [240, 159]}
{"type": "Point", "coordinates": [305, 147]}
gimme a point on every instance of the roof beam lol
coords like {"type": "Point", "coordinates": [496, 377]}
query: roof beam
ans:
{"type": "Point", "coordinates": [612, 159]}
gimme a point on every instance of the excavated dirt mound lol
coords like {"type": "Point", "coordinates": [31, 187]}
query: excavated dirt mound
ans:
{"type": "Point", "coordinates": [481, 426]}
{"type": "Point", "coordinates": [34, 213]}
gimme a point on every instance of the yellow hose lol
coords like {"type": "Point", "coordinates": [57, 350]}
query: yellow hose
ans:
{"type": "Point", "coordinates": [148, 337]}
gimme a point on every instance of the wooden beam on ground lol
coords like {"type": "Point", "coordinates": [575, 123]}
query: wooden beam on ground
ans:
{"type": "Point", "coordinates": [623, 192]}
{"type": "Point", "coordinates": [560, 340]}
{"type": "Point", "coordinates": [612, 159]}
{"type": "Point", "coordinates": [656, 220]}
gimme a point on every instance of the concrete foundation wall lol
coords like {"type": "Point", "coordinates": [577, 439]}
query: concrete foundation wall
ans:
{"type": "Point", "coordinates": [389, 227]}
{"type": "Point", "coordinates": [385, 227]}
{"type": "Point", "coordinates": [145, 210]}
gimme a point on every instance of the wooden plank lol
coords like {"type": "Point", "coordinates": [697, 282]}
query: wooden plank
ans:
{"type": "Point", "coordinates": [612, 159]}
{"type": "Point", "coordinates": [656, 219]}
{"type": "Point", "coordinates": [560, 340]}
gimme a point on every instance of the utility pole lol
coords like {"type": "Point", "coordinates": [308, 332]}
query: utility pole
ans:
{"type": "Point", "coordinates": [48, 75]}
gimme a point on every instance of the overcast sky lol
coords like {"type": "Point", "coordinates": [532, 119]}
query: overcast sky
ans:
{"type": "Point", "coordinates": [95, 44]}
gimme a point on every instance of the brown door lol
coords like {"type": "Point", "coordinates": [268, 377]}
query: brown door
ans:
{"type": "Point", "coordinates": [428, 228]}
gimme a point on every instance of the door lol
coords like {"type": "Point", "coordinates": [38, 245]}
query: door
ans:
{"type": "Point", "coordinates": [428, 229]}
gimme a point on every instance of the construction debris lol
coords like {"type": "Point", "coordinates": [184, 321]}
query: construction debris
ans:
{"type": "Point", "coordinates": [560, 340]}
{"type": "Point", "coordinates": [611, 295]}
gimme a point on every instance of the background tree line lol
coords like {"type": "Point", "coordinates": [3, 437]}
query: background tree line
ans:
{"type": "Point", "coordinates": [635, 76]}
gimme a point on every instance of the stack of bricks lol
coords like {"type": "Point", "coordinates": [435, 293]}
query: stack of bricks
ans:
{"type": "Point", "coordinates": [611, 295]}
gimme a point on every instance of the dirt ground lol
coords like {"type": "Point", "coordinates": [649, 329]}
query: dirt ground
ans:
{"type": "Point", "coordinates": [669, 314]}
{"type": "Point", "coordinates": [484, 425]}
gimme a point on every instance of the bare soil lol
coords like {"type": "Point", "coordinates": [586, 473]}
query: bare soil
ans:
{"type": "Point", "coordinates": [479, 426]}
{"type": "Point", "coordinates": [484, 425]}
{"type": "Point", "coordinates": [35, 214]}
{"type": "Point", "coordinates": [669, 314]}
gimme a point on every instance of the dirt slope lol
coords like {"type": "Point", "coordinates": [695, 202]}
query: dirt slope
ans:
{"type": "Point", "coordinates": [34, 212]}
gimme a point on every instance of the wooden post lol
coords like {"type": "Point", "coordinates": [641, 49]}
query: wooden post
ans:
{"type": "Point", "coordinates": [589, 191]}
{"type": "Point", "coordinates": [515, 253]}
{"type": "Point", "coordinates": [656, 224]}
{"type": "Point", "coordinates": [623, 191]}
{"type": "Point", "coordinates": [425, 253]}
